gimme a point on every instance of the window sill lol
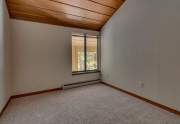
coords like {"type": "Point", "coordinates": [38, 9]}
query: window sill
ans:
{"type": "Point", "coordinates": [85, 72]}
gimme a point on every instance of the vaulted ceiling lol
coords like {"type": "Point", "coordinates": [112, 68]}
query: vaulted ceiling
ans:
{"type": "Point", "coordinates": [87, 14]}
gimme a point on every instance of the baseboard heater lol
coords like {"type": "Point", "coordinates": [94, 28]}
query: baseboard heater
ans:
{"type": "Point", "coordinates": [79, 84]}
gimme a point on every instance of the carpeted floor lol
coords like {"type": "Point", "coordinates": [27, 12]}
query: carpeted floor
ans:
{"type": "Point", "coordinates": [93, 104]}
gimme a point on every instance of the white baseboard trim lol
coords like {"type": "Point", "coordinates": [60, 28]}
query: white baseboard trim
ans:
{"type": "Point", "coordinates": [79, 84]}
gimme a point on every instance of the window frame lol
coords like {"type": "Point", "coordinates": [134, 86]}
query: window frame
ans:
{"type": "Point", "coordinates": [85, 71]}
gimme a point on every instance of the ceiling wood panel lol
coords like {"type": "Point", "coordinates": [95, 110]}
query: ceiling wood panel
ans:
{"type": "Point", "coordinates": [35, 10]}
{"type": "Point", "coordinates": [109, 3]}
{"type": "Point", "coordinates": [87, 14]}
{"type": "Point", "coordinates": [47, 4]}
{"type": "Point", "coordinates": [88, 5]}
{"type": "Point", "coordinates": [52, 16]}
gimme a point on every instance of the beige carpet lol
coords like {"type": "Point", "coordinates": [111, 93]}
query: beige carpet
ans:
{"type": "Point", "coordinates": [93, 104]}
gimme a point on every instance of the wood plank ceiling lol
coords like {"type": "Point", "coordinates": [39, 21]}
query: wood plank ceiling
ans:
{"type": "Point", "coordinates": [87, 14]}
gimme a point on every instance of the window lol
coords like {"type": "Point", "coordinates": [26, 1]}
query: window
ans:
{"type": "Point", "coordinates": [78, 53]}
{"type": "Point", "coordinates": [84, 53]}
{"type": "Point", "coordinates": [91, 51]}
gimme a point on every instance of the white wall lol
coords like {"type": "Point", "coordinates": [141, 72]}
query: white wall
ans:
{"type": "Point", "coordinates": [5, 65]}
{"type": "Point", "coordinates": [141, 44]}
{"type": "Point", "coordinates": [42, 57]}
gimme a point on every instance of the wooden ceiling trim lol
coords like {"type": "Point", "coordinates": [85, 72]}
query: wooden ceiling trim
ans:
{"type": "Point", "coordinates": [53, 22]}
{"type": "Point", "coordinates": [60, 8]}
{"type": "Point", "coordinates": [47, 20]}
{"type": "Point", "coordinates": [109, 3]}
{"type": "Point", "coordinates": [102, 4]}
{"type": "Point", "coordinates": [88, 5]}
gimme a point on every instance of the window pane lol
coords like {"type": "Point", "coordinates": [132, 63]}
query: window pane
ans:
{"type": "Point", "coordinates": [77, 53]}
{"type": "Point", "coordinates": [91, 53]}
